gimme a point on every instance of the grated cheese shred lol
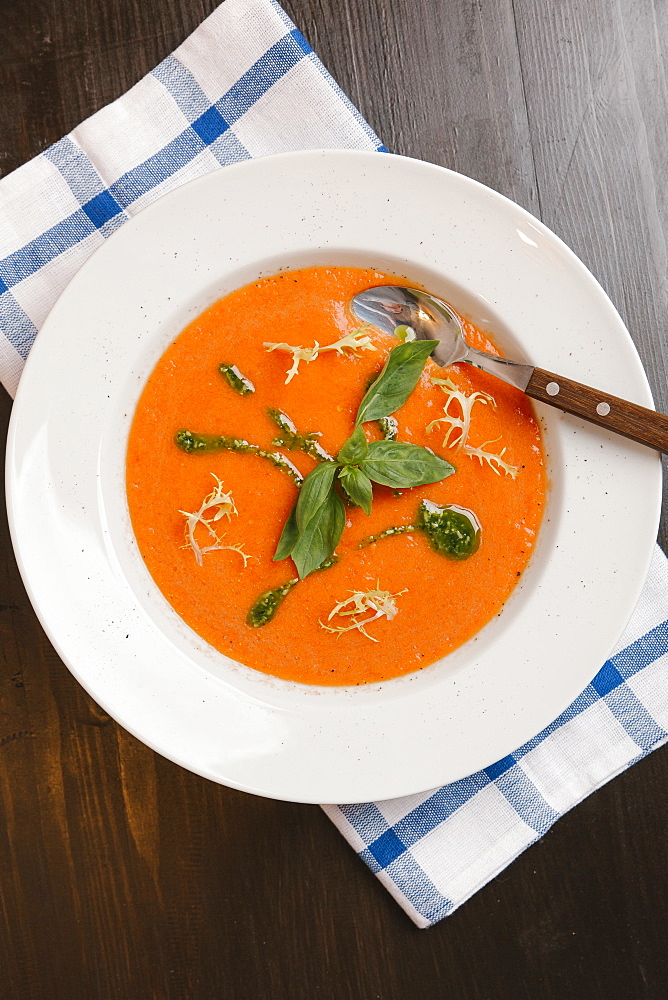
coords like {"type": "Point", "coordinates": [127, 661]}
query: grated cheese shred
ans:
{"type": "Point", "coordinates": [223, 506]}
{"type": "Point", "coordinates": [495, 462]}
{"type": "Point", "coordinates": [460, 425]}
{"type": "Point", "coordinates": [373, 604]}
{"type": "Point", "coordinates": [356, 341]}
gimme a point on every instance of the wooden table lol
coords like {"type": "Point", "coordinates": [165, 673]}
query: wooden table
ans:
{"type": "Point", "coordinates": [123, 876]}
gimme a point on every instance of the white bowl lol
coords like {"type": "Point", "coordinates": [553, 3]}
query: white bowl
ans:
{"type": "Point", "coordinates": [66, 484]}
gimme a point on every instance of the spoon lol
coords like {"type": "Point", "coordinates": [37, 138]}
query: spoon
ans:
{"type": "Point", "coordinates": [389, 306]}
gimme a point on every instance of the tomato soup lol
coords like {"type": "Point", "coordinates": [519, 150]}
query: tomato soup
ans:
{"type": "Point", "coordinates": [389, 601]}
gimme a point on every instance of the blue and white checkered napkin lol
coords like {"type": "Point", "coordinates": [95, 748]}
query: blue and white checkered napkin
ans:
{"type": "Point", "coordinates": [434, 850]}
{"type": "Point", "coordinates": [246, 84]}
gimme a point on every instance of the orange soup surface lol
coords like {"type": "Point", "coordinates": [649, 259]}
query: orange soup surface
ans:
{"type": "Point", "coordinates": [436, 602]}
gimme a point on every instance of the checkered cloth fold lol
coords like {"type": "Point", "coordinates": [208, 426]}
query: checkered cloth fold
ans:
{"type": "Point", "coordinates": [246, 84]}
{"type": "Point", "coordinates": [434, 850]}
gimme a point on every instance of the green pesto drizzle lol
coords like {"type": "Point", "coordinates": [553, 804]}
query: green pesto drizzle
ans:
{"type": "Point", "coordinates": [293, 440]}
{"type": "Point", "coordinates": [399, 529]}
{"type": "Point", "coordinates": [268, 603]}
{"type": "Point", "coordinates": [452, 531]}
{"type": "Point", "coordinates": [389, 428]}
{"type": "Point", "coordinates": [236, 380]}
{"type": "Point", "coordinates": [193, 444]}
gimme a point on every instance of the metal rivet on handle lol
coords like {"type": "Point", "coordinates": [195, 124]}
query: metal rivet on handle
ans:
{"type": "Point", "coordinates": [552, 388]}
{"type": "Point", "coordinates": [603, 409]}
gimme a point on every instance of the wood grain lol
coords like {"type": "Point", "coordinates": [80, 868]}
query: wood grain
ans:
{"type": "Point", "coordinates": [123, 876]}
{"type": "Point", "coordinates": [601, 408]}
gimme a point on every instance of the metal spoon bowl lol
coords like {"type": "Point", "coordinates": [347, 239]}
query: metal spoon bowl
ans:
{"type": "Point", "coordinates": [390, 306]}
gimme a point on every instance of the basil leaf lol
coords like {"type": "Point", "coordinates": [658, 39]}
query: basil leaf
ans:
{"type": "Point", "coordinates": [320, 536]}
{"type": "Point", "coordinates": [289, 536]}
{"type": "Point", "coordinates": [396, 381]}
{"type": "Point", "coordinates": [402, 465]}
{"type": "Point", "coordinates": [314, 492]}
{"type": "Point", "coordinates": [354, 449]}
{"type": "Point", "coordinates": [358, 486]}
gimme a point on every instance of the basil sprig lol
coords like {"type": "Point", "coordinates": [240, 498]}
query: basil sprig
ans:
{"type": "Point", "coordinates": [355, 449]}
{"type": "Point", "coordinates": [396, 381]}
{"type": "Point", "coordinates": [401, 465]}
{"type": "Point", "coordinates": [357, 485]}
{"type": "Point", "coordinates": [316, 523]}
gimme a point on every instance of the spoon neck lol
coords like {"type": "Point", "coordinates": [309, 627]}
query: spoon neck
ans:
{"type": "Point", "coordinates": [513, 372]}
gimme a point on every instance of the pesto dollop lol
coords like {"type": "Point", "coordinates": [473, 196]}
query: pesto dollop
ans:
{"type": "Point", "coordinates": [389, 428]}
{"type": "Point", "coordinates": [268, 604]}
{"type": "Point", "coordinates": [293, 440]}
{"type": "Point", "coordinates": [236, 380]}
{"type": "Point", "coordinates": [452, 531]}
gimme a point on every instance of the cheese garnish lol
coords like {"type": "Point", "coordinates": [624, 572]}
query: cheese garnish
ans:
{"type": "Point", "coordinates": [223, 505]}
{"type": "Point", "coordinates": [372, 603]}
{"type": "Point", "coordinates": [460, 423]}
{"type": "Point", "coordinates": [356, 341]}
{"type": "Point", "coordinates": [495, 462]}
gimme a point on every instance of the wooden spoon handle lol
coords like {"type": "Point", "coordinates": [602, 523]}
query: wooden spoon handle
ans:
{"type": "Point", "coordinates": [633, 421]}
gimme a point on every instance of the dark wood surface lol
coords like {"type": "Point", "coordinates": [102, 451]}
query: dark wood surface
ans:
{"type": "Point", "coordinates": [123, 876]}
